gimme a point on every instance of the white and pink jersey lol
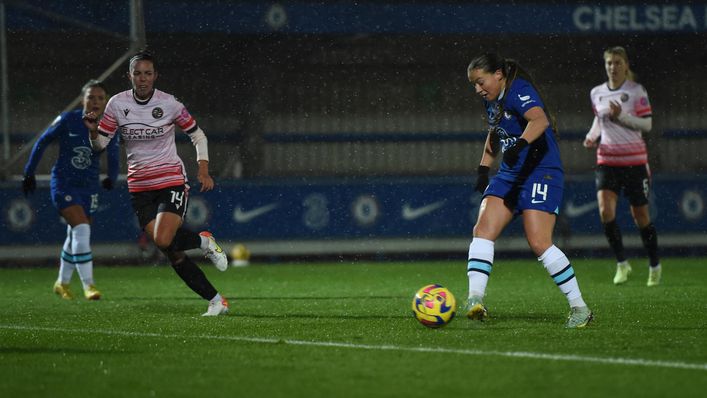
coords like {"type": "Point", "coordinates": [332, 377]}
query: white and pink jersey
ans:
{"type": "Point", "coordinates": [620, 146]}
{"type": "Point", "coordinates": [147, 128]}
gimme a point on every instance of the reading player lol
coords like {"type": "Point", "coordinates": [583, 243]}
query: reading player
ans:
{"type": "Point", "coordinates": [622, 112]}
{"type": "Point", "coordinates": [145, 118]}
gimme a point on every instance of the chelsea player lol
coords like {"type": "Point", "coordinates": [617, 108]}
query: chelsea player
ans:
{"type": "Point", "coordinates": [75, 186]}
{"type": "Point", "coordinates": [529, 182]}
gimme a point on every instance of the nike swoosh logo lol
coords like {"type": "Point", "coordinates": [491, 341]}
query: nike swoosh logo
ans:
{"type": "Point", "coordinates": [73, 135]}
{"type": "Point", "coordinates": [525, 98]}
{"type": "Point", "coordinates": [572, 210]}
{"type": "Point", "coordinates": [244, 216]}
{"type": "Point", "coordinates": [410, 213]}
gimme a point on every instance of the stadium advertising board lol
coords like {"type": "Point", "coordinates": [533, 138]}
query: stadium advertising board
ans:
{"type": "Point", "coordinates": [320, 210]}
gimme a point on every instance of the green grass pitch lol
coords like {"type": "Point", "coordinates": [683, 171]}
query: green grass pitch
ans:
{"type": "Point", "coordinates": [340, 330]}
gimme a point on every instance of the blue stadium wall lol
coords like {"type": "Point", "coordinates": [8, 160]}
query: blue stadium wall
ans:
{"type": "Point", "coordinates": [286, 210]}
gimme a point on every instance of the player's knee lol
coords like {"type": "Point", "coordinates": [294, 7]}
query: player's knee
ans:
{"type": "Point", "coordinates": [538, 246]}
{"type": "Point", "coordinates": [175, 257]}
{"type": "Point", "coordinates": [163, 243]}
{"type": "Point", "coordinates": [606, 215]}
{"type": "Point", "coordinates": [482, 231]}
{"type": "Point", "coordinates": [641, 217]}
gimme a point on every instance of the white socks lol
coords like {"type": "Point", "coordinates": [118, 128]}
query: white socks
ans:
{"type": "Point", "coordinates": [561, 271]}
{"type": "Point", "coordinates": [81, 253]}
{"type": "Point", "coordinates": [479, 265]}
{"type": "Point", "coordinates": [66, 264]}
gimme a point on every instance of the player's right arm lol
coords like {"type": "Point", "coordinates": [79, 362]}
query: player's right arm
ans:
{"type": "Point", "coordinates": [590, 140]}
{"type": "Point", "coordinates": [101, 131]}
{"type": "Point", "coordinates": [29, 183]}
{"type": "Point", "coordinates": [49, 135]}
{"type": "Point", "coordinates": [594, 133]}
{"type": "Point", "coordinates": [491, 148]}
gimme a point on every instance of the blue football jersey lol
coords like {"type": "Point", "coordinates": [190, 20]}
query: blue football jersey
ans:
{"type": "Point", "coordinates": [544, 153]}
{"type": "Point", "coordinates": [77, 166]}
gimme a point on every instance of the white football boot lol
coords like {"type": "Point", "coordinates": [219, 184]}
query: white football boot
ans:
{"type": "Point", "coordinates": [217, 307]}
{"type": "Point", "coordinates": [214, 252]}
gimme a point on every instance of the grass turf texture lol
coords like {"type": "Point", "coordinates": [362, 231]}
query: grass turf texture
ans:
{"type": "Point", "coordinates": [146, 336]}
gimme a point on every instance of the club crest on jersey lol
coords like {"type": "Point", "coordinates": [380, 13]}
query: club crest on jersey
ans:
{"type": "Point", "coordinates": [624, 97]}
{"type": "Point", "coordinates": [157, 113]}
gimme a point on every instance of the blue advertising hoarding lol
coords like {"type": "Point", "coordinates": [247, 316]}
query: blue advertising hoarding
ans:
{"type": "Point", "coordinates": [337, 209]}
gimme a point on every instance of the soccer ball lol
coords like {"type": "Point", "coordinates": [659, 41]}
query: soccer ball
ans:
{"type": "Point", "coordinates": [240, 256]}
{"type": "Point", "coordinates": [434, 306]}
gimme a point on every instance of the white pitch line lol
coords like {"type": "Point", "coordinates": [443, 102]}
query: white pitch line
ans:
{"type": "Point", "coordinates": [440, 350]}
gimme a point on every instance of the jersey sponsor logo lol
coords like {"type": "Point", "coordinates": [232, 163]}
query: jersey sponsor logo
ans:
{"type": "Point", "coordinates": [572, 210]}
{"type": "Point", "coordinates": [82, 157]}
{"type": "Point", "coordinates": [145, 133]}
{"type": "Point", "coordinates": [244, 216]}
{"type": "Point", "coordinates": [157, 112]}
{"type": "Point", "coordinates": [611, 95]}
{"type": "Point", "coordinates": [411, 213]}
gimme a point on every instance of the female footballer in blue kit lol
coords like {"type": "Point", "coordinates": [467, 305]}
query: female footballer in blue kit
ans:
{"type": "Point", "coordinates": [529, 181]}
{"type": "Point", "coordinates": [74, 186]}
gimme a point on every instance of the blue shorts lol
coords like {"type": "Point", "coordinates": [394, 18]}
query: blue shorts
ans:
{"type": "Point", "coordinates": [70, 197]}
{"type": "Point", "coordinates": [539, 191]}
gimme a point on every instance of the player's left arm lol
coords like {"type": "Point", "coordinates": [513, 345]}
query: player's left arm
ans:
{"type": "Point", "coordinates": [527, 102]}
{"type": "Point", "coordinates": [198, 139]}
{"type": "Point", "coordinates": [643, 124]}
{"type": "Point", "coordinates": [187, 123]}
{"type": "Point", "coordinates": [640, 117]}
{"type": "Point", "coordinates": [537, 124]}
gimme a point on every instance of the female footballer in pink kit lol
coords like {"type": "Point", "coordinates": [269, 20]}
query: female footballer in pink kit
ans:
{"type": "Point", "coordinates": [145, 117]}
{"type": "Point", "coordinates": [622, 112]}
